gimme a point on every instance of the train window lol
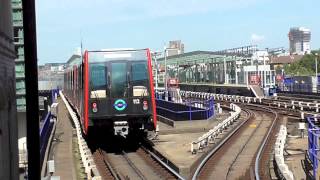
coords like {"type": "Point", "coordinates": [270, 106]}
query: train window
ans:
{"type": "Point", "coordinates": [119, 80]}
{"type": "Point", "coordinates": [98, 76]}
{"type": "Point", "coordinates": [139, 73]}
{"type": "Point", "coordinates": [139, 78]}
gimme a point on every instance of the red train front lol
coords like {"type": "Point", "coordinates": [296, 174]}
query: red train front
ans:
{"type": "Point", "coordinates": [112, 89]}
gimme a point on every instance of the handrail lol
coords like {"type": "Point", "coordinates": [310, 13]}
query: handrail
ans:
{"type": "Point", "coordinates": [85, 153]}
{"type": "Point", "coordinates": [237, 98]}
{"type": "Point", "coordinates": [202, 141]}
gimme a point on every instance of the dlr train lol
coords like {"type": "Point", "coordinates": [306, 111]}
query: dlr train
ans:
{"type": "Point", "coordinates": [113, 90]}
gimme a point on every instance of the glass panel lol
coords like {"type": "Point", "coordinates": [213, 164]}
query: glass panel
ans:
{"type": "Point", "coordinates": [118, 55]}
{"type": "Point", "coordinates": [139, 78]}
{"type": "Point", "coordinates": [119, 80]}
{"type": "Point", "coordinates": [98, 76]}
{"type": "Point", "coordinates": [139, 73]}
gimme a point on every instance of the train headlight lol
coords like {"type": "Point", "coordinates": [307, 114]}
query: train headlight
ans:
{"type": "Point", "coordinates": [145, 105]}
{"type": "Point", "coordinates": [94, 107]}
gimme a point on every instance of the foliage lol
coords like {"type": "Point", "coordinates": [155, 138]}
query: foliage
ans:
{"type": "Point", "coordinates": [304, 67]}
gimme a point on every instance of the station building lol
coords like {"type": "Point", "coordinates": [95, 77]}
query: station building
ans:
{"type": "Point", "coordinates": [228, 68]}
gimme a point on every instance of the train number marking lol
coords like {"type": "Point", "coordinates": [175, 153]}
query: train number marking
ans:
{"type": "Point", "coordinates": [136, 101]}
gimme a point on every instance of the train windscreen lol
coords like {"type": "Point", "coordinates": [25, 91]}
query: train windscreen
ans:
{"type": "Point", "coordinates": [118, 74]}
{"type": "Point", "coordinates": [139, 78]}
{"type": "Point", "coordinates": [98, 81]}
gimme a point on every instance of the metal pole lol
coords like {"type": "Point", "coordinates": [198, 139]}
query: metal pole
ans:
{"type": "Point", "coordinates": [225, 70]}
{"type": "Point", "coordinates": [178, 71]}
{"type": "Point", "coordinates": [215, 71]}
{"type": "Point", "coordinates": [316, 59]}
{"type": "Point", "coordinates": [236, 70]}
{"type": "Point", "coordinates": [156, 64]}
{"type": "Point", "coordinates": [264, 71]}
{"type": "Point", "coordinates": [31, 82]}
{"type": "Point", "coordinates": [165, 75]}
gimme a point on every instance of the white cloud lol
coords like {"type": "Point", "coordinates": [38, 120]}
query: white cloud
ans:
{"type": "Point", "coordinates": [255, 38]}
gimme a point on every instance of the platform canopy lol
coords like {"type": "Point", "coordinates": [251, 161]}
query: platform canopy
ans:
{"type": "Point", "coordinates": [197, 57]}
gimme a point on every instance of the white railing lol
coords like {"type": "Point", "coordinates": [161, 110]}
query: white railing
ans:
{"type": "Point", "coordinates": [210, 136]}
{"type": "Point", "coordinates": [86, 155]}
{"type": "Point", "coordinates": [301, 105]}
{"type": "Point", "coordinates": [278, 152]}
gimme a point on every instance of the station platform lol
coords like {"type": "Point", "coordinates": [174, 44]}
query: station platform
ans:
{"type": "Point", "coordinates": [174, 142]}
{"type": "Point", "coordinates": [216, 85]}
{"type": "Point", "coordinates": [62, 146]}
{"type": "Point", "coordinates": [295, 149]}
{"type": "Point", "coordinates": [231, 89]}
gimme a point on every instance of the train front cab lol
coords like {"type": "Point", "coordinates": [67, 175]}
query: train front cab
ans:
{"type": "Point", "coordinates": [120, 97]}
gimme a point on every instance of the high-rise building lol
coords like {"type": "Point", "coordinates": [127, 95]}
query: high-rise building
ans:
{"type": "Point", "coordinates": [178, 48]}
{"type": "Point", "coordinates": [17, 18]}
{"type": "Point", "coordinates": [299, 39]}
{"type": "Point", "coordinates": [8, 121]}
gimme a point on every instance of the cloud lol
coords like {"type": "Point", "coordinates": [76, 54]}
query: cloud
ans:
{"type": "Point", "coordinates": [255, 38]}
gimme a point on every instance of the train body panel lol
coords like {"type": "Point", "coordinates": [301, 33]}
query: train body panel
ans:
{"type": "Point", "coordinates": [112, 89]}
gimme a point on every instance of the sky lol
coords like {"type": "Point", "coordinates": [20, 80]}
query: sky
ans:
{"type": "Point", "coordinates": [201, 24]}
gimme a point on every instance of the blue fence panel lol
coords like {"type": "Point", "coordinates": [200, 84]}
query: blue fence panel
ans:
{"type": "Point", "coordinates": [313, 143]}
{"type": "Point", "coordinates": [45, 132]}
{"type": "Point", "coordinates": [288, 81]}
{"type": "Point", "coordinates": [188, 110]}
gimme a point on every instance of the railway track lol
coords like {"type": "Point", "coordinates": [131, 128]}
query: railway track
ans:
{"type": "Point", "coordinates": [301, 97]}
{"type": "Point", "coordinates": [235, 158]}
{"type": "Point", "coordinates": [140, 164]}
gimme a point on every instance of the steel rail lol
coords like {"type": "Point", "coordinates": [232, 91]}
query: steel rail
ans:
{"type": "Point", "coordinates": [109, 166]}
{"type": "Point", "coordinates": [208, 156]}
{"type": "Point", "coordinates": [262, 146]}
{"type": "Point", "coordinates": [174, 172]}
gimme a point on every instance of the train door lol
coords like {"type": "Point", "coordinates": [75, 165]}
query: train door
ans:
{"type": "Point", "coordinates": [119, 86]}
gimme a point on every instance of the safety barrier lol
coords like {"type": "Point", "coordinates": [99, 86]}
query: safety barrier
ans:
{"type": "Point", "coordinates": [313, 142]}
{"type": "Point", "coordinates": [45, 132]}
{"type": "Point", "coordinates": [210, 136]}
{"type": "Point", "coordinates": [313, 107]}
{"type": "Point", "coordinates": [278, 153]}
{"type": "Point", "coordinates": [46, 136]}
{"type": "Point", "coordinates": [197, 109]}
{"type": "Point", "coordinates": [86, 155]}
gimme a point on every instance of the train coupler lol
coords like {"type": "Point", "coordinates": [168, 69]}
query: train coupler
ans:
{"type": "Point", "coordinates": [121, 128]}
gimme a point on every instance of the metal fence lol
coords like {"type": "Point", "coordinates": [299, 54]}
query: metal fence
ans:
{"type": "Point", "coordinates": [313, 143]}
{"type": "Point", "coordinates": [188, 109]}
{"type": "Point", "coordinates": [299, 87]}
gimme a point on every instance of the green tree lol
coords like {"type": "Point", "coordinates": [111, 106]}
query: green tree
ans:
{"type": "Point", "coordinates": [304, 67]}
